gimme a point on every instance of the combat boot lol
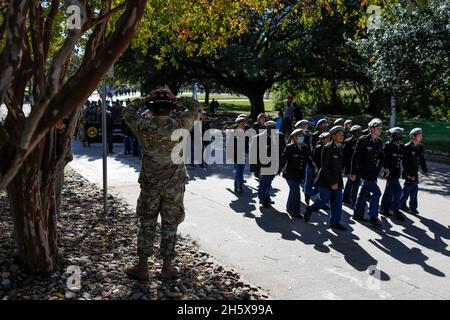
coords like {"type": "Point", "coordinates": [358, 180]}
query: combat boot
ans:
{"type": "Point", "coordinates": [139, 271]}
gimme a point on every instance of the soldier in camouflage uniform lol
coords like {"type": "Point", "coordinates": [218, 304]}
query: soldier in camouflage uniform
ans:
{"type": "Point", "coordinates": [162, 181]}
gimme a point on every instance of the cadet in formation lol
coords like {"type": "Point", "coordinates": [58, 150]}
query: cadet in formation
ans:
{"type": "Point", "coordinates": [330, 179]}
{"type": "Point", "coordinates": [413, 159]}
{"type": "Point", "coordinates": [366, 164]}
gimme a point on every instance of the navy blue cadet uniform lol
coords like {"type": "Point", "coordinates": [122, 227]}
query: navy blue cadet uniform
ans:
{"type": "Point", "coordinates": [351, 187]}
{"type": "Point", "coordinates": [367, 162]}
{"type": "Point", "coordinates": [265, 181]}
{"type": "Point", "coordinates": [295, 157]}
{"type": "Point", "coordinates": [393, 153]}
{"type": "Point", "coordinates": [413, 159]}
{"type": "Point", "coordinates": [329, 175]}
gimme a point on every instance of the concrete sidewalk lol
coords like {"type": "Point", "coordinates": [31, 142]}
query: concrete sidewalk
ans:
{"type": "Point", "coordinates": [293, 260]}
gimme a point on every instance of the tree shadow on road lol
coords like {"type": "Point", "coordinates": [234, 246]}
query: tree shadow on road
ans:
{"type": "Point", "coordinates": [438, 182]}
{"type": "Point", "coordinates": [317, 234]}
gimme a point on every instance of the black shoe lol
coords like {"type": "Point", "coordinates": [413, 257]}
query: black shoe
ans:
{"type": "Point", "coordinates": [307, 199]}
{"type": "Point", "coordinates": [347, 202]}
{"type": "Point", "coordinates": [385, 213]}
{"type": "Point", "coordinates": [338, 226]}
{"type": "Point", "coordinates": [308, 214]}
{"type": "Point", "coordinates": [399, 216]}
{"type": "Point", "coordinates": [358, 217]}
{"type": "Point", "coordinates": [272, 202]}
{"type": "Point", "coordinates": [414, 211]}
{"type": "Point", "coordinates": [375, 222]}
{"type": "Point", "coordinates": [405, 208]}
{"type": "Point", "coordinates": [326, 207]}
{"type": "Point", "coordinates": [265, 204]}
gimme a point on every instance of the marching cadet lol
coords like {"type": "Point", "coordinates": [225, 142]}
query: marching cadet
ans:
{"type": "Point", "coordinates": [393, 153]}
{"type": "Point", "coordinates": [321, 126]}
{"type": "Point", "coordinates": [348, 124]}
{"type": "Point", "coordinates": [351, 187]}
{"type": "Point", "coordinates": [239, 160]}
{"type": "Point", "coordinates": [330, 179]}
{"type": "Point", "coordinates": [413, 159]}
{"type": "Point", "coordinates": [338, 122]}
{"type": "Point", "coordinates": [366, 164]}
{"type": "Point", "coordinates": [258, 126]}
{"type": "Point", "coordinates": [317, 155]}
{"type": "Point", "coordinates": [304, 124]}
{"type": "Point", "coordinates": [162, 181]}
{"type": "Point", "coordinates": [266, 178]}
{"type": "Point", "coordinates": [295, 157]}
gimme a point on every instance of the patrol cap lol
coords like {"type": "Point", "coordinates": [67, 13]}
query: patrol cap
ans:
{"type": "Point", "coordinates": [240, 119]}
{"type": "Point", "coordinates": [355, 128]}
{"type": "Point", "coordinates": [336, 129]}
{"type": "Point", "coordinates": [324, 135]}
{"type": "Point", "coordinates": [375, 123]}
{"type": "Point", "coordinates": [297, 132]}
{"type": "Point", "coordinates": [415, 132]}
{"type": "Point", "coordinates": [338, 122]}
{"type": "Point", "coordinates": [271, 124]}
{"type": "Point", "coordinates": [396, 130]}
{"type": "Point", "coordinates": [323, 120]}
{"type": "Point", "coordinates": [301, 123]}
{"type": "Point", "coordinates": [348, 121]}
{"type": "Point", "coordinates": [261, 115]}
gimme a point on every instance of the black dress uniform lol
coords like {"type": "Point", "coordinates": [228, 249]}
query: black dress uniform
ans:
{"type": "Point", "coordinates": [330, 174]}
{"type": "Point", "coordinates": [293, 163]}
{"type": "Point", "coordinates": [266, 178]}
{"type": "Point", "coordinates": [367, 162]}
{"type": "Point", "coordinates": [413, 159]}
{"type": "Point", "coordinates": [393, 153]}
{"type": "Point", "coordinates": [351, 187]}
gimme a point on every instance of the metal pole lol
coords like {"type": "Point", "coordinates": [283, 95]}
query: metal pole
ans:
{"type": "Point", "coordinates": [104, 145]}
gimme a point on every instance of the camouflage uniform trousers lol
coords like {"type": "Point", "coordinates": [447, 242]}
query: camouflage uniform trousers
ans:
{"type": "Point", "coordinates": [153, 201]}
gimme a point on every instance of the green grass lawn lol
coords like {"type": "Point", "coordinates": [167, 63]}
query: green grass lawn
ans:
{"type": "Point", "coordinates": [436, 134]}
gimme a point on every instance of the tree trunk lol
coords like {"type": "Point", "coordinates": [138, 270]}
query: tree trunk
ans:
{"type": "Point", "coordinates": [207, 92]}
{"type": "Point", "coordinates": [257, 103]}
{"type": "Point", "coordinates": [32, 199]}
{"type": "Point", "coordinates": [393, 111]}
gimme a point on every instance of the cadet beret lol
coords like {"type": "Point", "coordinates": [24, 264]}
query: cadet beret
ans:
{"type": "Point", "coordinates": [240, 119]}
{"type": "Point", "coordinates": [375, 123]}
{"type": "Point", "coordinates": [321, 121]}
{"type": "Point", "coordinates": [339, 121]}
{"type": "Point", "coordinates": [347, 122]}
{"type": "Point", "coordinates": [336, 129]}
{"type": "Point", "coordinates": [355, 128]}
{"type": "Point", "coordinates": [271, 124]}
{"type": "Point", "coordinates": [396, 130]}
{"type": "Point", "coordinates": [324, 135]}
{"type": "Point", "coordinates": [415, 132]}
{"type": "Point", "coordinates": [301, 123]}
{"type": "Point", "coordinates": [296, 132]}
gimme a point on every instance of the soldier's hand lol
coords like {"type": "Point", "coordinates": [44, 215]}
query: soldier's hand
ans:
{"type": "Point", "coordinates": [352, 177]}
{"type": "Point", "coordinates": [386, 173]}
{"type": "Point", "coordinates": [411, 178]}
{"type": "Point", "coordinates": [427, 174]}
{"type": "Point", "coordinates": [334, 187]}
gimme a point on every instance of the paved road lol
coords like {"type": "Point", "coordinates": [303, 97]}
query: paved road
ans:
{"type": "Point", "coordinates": [292, 260]}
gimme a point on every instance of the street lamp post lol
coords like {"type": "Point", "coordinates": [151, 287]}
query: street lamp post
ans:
{"type": "Point", "coordinates": [105, 142]}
